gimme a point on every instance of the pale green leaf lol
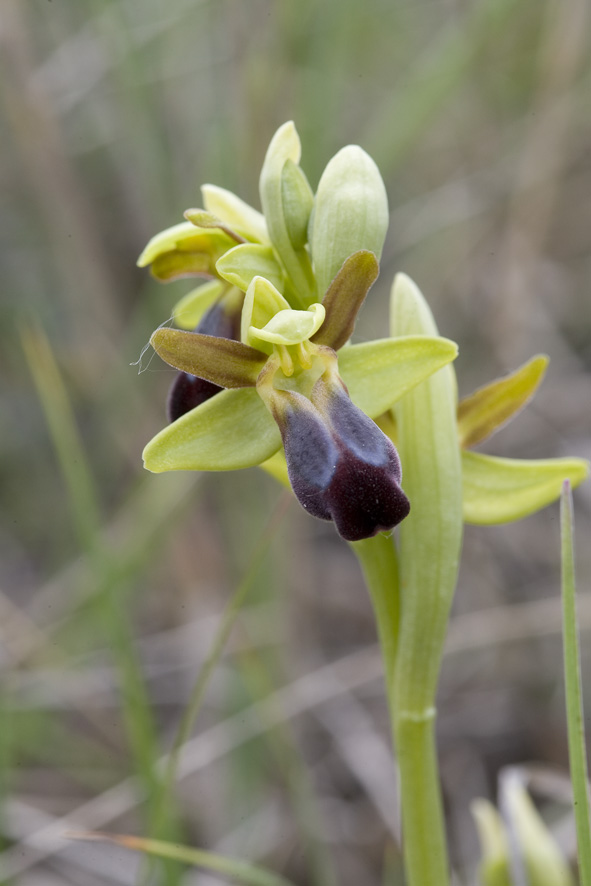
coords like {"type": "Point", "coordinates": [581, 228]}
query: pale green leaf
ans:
{"type": "Point", "coordinates": [239, 265]}
{"type": "Point", "coordinates": [190, 309]}
{"type": "Point", "coordinates": [232, 430]}
{"type": "Point", "coordinates": [379, 373]}
{"type": "Point", "coordinates": [493, 405]}
{"type": "Point", "coordinates": [499, 490]}
{"type": "Point", "coordinates": [430, 541]}
{"type": "Point", "coordinates": [350, 213]}
{"type": "Point", "coordinates": [236, 213]}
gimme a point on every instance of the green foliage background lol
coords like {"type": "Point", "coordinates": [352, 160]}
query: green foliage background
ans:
{"type": "Point", "coordinates": [111, 580]}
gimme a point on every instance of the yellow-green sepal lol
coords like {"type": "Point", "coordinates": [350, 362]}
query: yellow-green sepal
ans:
{"type": "Point", "coordinates": [500, 490]}
{"type": "Point", "coordinates": [185, 250]}
{"type": "Point", "coordinates": [241, 217]}
{"type": "Point", "coordinates": [493, 405]}
{"type": "Point", "coordinates": [232, 430]}
{"type": "Point", "coordinates": [190, 309]}
{"type": "Point", "coordinates": [248, 260]}
{"type": "Point", "coordinates": [379, 373]}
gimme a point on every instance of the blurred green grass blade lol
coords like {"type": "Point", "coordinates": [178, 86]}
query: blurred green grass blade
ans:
{"type": "Point", "coordinates": [139, 720]}
{"type": "Point", "coordinates": [251, 875]}
{"type": "Point", "coordinates": [440, 70]}
{"type": "Point", "coordinates": [572, 680]}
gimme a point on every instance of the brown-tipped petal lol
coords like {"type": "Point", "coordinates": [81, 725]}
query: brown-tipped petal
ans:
{"type": "Point", "coordinates": [202, 218]}
{"type": "Point", "coordinates": [344, 298]}
{"type": "Point", "coordinates": [229, 364]}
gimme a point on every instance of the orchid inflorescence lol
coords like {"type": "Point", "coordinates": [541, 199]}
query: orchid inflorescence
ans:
{"type": "Point", "coordinates": [268, 377]}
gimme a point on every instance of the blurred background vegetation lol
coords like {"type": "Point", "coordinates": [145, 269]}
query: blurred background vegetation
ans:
{"type": "Point", "coordinates": [113, 581]}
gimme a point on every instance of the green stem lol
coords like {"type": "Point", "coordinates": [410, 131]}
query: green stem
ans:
{"type": "Point", "coordinates": [425, 851]}
{"type": "Point", "coordinates": [574, 696]}
{"type": "Point", "coordinates": [377, 557]}
{"type": "Point", "coordinates": [413, 724]}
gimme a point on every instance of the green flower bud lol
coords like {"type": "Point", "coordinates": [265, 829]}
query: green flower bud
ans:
{"type": "Point", "coordinates": [350, 213]}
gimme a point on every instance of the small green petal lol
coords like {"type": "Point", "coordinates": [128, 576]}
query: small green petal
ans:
{"type": "Point", "coordinates": [290, 327]}
{"type": "Point", "coordinates": [232, 430]}
{"type": "Point", "coordinates": [261, 302]}
{"type": "Point", "coordinates": [222, 361]}
{"type": "Point", "coordinates": [285, 145]}
{"type": "Point", "coordinates": [493, 405]}
{"type": "Point", "coordinates": [298, 200]}
{"type": "Point", "coordinates": [190, 309]}
{"type": "Point", "coordinates": [203, 218]}
{"type": "Point", "coordinates": [344, 298]}
{"type": "Point", "coordinates": [350, 213]}
{"type": "Point", "coordinates": [378, 373]}
{"type": "Point", "coordinates": [239, 265]}
{"type": "Point", "coordinates": [500, 490]}
{"type": "Point", "coordinates": [236, 213]}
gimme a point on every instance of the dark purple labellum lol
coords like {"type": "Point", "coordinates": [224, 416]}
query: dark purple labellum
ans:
{"type": "Point", "coordinates": [340, 464]}
{"type": "Point", "coordinates": [187, 391]}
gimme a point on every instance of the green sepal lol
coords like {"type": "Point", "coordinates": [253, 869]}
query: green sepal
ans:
{"type": "Point", "coordinates": [241, 217]}
{"type": "Point", "coordinates": [500, 490]}
{"type": "Point", "coordinates": [190, 309]}
{"type": "Point", "coordinates": [492, 406]}
{"type": "Point", "coordinates": [379, 373]}
{"type": "Point", "coordinates": [284, 146]}
{"type": "Point", "coordinates": [344, 298]}
{"type": "Point", "coordinates": [203, 218]}
{"type": "Point", "coordinates": [298, 199]}
{"type": "Point", "coordinates": [232, 430]}
{"type": "Point", "coordinates": [222, 361]}
{"type": "Point", "coordinates": [241, 263]}
{"type": "Point", "coordinates": [261, 302]}
{"type": "Point", "coordinates": [184, 250]}
{"type": "Point", "coordinates": [350, 213]}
